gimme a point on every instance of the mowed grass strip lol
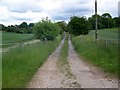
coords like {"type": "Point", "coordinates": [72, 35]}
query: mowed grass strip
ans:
{"type": "Point", "coordinates": [97, 53]}
{"type": "Point", "coordinates": [19, 66]}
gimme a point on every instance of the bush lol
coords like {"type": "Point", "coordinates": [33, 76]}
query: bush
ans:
{"type": "Point", "coordinates": [45, 29]}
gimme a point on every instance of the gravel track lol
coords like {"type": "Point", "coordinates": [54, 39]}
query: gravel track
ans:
{"type": "Point", "coordinates": [82, 74]}
{"type": "Point", "coordinates": [49, 76]}
{"type": "Point", "coordinates": [86, 75]}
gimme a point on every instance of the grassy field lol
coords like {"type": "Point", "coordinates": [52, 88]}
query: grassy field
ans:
{"type": "Point", "coordinates": [98, 53]}
{"type": "Point", "coordinates": [106, 33]}
{"type": "Point", "coordinates": [9, 38]}
{"type": "Point", "coordinates": [20, 65]}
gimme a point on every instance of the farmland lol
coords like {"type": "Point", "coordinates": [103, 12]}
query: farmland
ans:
{"type": "Point", "coordinates": [9, 38]}
{"type": "Point", "coordinates": [98, 52]}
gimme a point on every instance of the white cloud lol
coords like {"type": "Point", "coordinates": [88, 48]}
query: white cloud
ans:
{"type": "Point", "coordinates": [17, 11]}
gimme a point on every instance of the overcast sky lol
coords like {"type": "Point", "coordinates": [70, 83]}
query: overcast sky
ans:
{"type": "Point", "coordinates": [18, 11]}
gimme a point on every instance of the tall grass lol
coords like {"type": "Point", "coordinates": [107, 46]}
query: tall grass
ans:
{"type": "Point", "coordinates": [0, 61]}
{"type": "Point", "coordinates": [20, 65]}
{"type": "Point", "coordinates": [0, 70]}
{"type": "Point", "coordinates": [106, 33]}
{"type": "Point", "coordinates": [97, 53]}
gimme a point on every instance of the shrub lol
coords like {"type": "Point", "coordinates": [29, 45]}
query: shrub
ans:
{"type": "Point", "coordinates": [45, 29]}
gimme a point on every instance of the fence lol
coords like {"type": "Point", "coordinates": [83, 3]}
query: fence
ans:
{"type": "Point", "coordinates": [15, 45]}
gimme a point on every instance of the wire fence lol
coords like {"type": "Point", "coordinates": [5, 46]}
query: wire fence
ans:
{"type": "Point", "coordinates": [15, 45]}
{"type": "Point", "coordinates": [109, 42]}
{"type": "Point", "coordinates": [101, 41]}
{"type": "Point", "coordinates": [107, 37]}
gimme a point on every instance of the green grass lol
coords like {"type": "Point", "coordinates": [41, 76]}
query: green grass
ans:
{"type": "Point", "coordinates": [0, 37]}
{"type": "Point", "coordinates": [9, 38]}
{"type": "Point", "coordinates": [0, 70]}
{"type": "Point", "coordinates": [106, 33]}
{"type": "Point", "coordinates": [63, 62]}
{"type": "Point", "coordinates": [64, 53]}
{"type": "Point", "coordinates": [0, 62]}
{"type": "Point", "coordinates": [97, 53]}
{"type": "Point", "coordinates": [20, 65]}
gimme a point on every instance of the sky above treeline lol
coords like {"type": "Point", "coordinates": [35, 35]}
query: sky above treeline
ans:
{"type": "Point", "coordinates": [17, 11]}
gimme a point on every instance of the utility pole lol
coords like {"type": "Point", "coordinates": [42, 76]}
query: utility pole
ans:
{"type": "Point", "coordinates": [96, 23]}
{"type": "Point", "coordinates": [119, 9]}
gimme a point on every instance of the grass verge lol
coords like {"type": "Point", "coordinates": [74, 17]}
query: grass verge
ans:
{"type": "Point", "coordinates": [97, 53]}
{"type": "Point", "coordinates": [19, 66]}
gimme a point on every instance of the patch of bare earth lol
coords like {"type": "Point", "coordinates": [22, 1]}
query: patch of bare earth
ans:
{"type": "Point", "coordinates": [85, 75]}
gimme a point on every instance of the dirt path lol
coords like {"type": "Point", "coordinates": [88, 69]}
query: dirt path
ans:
{"type": "Point", "coordinates": [49, 76]}
{"type": "Point", "coordinates": [81, 75]}
{"type": "Point", "coordinates": [85, 75]}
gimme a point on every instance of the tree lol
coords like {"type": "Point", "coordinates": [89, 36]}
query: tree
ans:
{"type": "Point", "coordinates": [107, 20]}
{"type": "Point", "coordinates": [78, 25]}
{"type": "Point", "coordinates": [116, 21]}
{"type": "Point", "coordinates": [23, 25]}
{"type": "Point", "coordinates": [25, 28]}
{"type": "Point", "coordinates": [91, 20]}
{"type": "Point", "coordinates": [2, 27]}
{"type": "Point", "coordinates": [11, 28]}
{"type": "Point", "coordinates": [31, 25]}
{"type": "Point", "coordinates": [63, 26]}
{"type": "Point", "coordinates": [30, 29]}
{"type": "Point", "coordinates": [46, 29]}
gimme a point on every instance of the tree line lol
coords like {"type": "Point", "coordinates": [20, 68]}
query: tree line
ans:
{"type": "Point", "coordinates": [22, 28]}
{"type": "Point", "coordinates": [46, 29]}
{"type": "Point", "coordinates": [82, 25]}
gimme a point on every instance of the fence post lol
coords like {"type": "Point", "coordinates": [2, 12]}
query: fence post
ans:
{"type": "Point", "coordinates": [106, 42]}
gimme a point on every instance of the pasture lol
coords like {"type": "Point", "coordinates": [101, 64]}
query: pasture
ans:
{"type": "Point", "coordinates": [98, 52]}
{"type": "Point", "coordinates": [9, 38]}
